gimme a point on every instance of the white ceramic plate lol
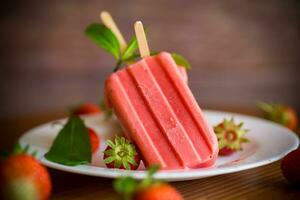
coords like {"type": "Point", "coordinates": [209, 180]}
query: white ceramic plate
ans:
{"type": "Point", "coordinates": [269, 143]}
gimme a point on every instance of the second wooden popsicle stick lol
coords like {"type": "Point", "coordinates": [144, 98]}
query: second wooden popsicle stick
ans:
{"type": "Point", "coordinates": [141, 39]}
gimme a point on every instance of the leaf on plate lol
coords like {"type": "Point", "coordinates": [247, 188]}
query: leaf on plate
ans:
{"type": "Point", "coordinates": [72, 145]}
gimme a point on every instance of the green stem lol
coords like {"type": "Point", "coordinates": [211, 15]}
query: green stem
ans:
{"type": "Point", "coordinates": [118, 65]}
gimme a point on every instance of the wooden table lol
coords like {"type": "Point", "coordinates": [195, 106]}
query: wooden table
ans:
{"type": "Point", "coordinates": [260, 183]}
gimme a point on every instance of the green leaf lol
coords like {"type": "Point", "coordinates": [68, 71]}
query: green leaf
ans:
{"type": "Point", "coordinates": [17, 149]}
{"type": "Point", "coordinates": [72, 145]}
{"type": "Point", "coordinates": [131, 49]}
{"type": "Point", "coordinates": [152, 169]}
{"type": "Point", "coordinates": [125, 185]}
{"type": "Point", "coordinates": [130, 54]}
{"type": "Point", "coordinates": [132, 58]}
{"type": "Point", "coordinates": [181, 61]}
{"type": "Point", "coordinates": [104, 38]}
{"type": "Point", "coordinates": [266, 107]}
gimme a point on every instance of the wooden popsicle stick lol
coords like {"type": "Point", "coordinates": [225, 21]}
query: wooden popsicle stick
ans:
{"type": "Point", "coordinates": [110, 23]}
{"type": "Point", "coordinates": [141, 39]}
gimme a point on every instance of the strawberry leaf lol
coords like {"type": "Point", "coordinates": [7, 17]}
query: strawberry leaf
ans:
{"type": "Point", "coordinates": [72, 145]}
{"type": "Point", "coordinates": [125, 186]}
{"type": "Point", "coordinates": [181, 61]}
{"type": "Point", "coordinates": [121, 153]}
{"type": "Point", "coordinates": [17, 149]}
{"type": "Point", "coordinates": [104, 38]}
{"type": "Point", "coordinates": [131, 58]}
{"type": "Point", "coordinates": [130, 52]}
{"type": "Point", "coordinates": [152, 169]}
{"type": "Point", "coordinates": [131, 49]}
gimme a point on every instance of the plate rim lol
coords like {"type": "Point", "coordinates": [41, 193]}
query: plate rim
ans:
{"type": "Point", "coordinates": [170, 175]}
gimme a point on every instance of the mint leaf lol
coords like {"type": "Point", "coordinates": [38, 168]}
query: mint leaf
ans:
{"type": "Point", "coordinates": [130, 52]}
{"type": "Point", "coordinates": [131, 49]}
{"type": "Point", "coordinates": [104, 38]}
{"type": "Point", "coordinates": [72, 145]}
{"type": "Point", "coordinates": [181, 61]}
{"type": "Point", "coordinates": [132, 58]}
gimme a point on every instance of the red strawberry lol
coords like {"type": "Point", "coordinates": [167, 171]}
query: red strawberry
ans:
{"type": "Point", "coordinates": [226, 151]}
{"type": "Point", "coordinates": [230, 136]}
{"type": "Point", "coordinates": [158, 191]}
{"type": "Point", "coordinates": [122, 154]}
{"type": "Point", "coordinates": [23, 177]}
{"type": "Point", "coordinates": [282, 114]}
{"type": "Point", "coordinates": [147, 189]}
{"type": "Point", "coordinates": [290, 166]}
{"type": "Point", "coordinates": [94, 139]}
{"type": "Point", "coordinates": [87, 108]}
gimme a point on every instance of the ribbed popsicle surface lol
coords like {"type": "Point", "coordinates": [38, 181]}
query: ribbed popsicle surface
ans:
{"type": "Point", "coordinates": [160, 114]}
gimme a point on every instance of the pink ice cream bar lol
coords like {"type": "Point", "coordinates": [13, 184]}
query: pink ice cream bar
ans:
{"type": "Point", "coordinates": [160, 114]}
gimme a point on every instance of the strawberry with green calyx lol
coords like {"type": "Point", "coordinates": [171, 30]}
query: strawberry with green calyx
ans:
{"type": "Point", "coordinates": [86, 109]}
{"type": "Point", "coordinates": [22, 177]}
{"type": "Point", "coordinates": [147, 189]}
{"type": "Point", "coordinates": [282, 114]}
{"type": "Point", "coordinates": [122, 154]}
{"type": "Point", "coordinates": [230, 136]}
{"type": "Point", "coordinates": [18, 149]}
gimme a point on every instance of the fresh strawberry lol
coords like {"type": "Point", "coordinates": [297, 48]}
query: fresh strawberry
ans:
{"type": "Point", "coordinates": [230, 137]}
{"type": "Point", "coordinates": [147, 189]}
{"type": "Point", "coordinates": [290, 166]}
{"type": "Point", "coordinates": [282, 114]}
{"type": "Point", "coordinates": [87, 108]}
{"type": "Point", "coordinates": [23, 177]}
{"type": "Point", "coordinates": [158, 191]}
{"type": "Point", "coordinates": [226, 151]}
{"type": "Point", "coordinates": [122, 154]}
{"type": "Point", "coordinates": [94, 139]}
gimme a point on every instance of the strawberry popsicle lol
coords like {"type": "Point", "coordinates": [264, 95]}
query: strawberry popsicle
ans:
{"type": "Point", "coordinates": [183, 73]}
{"type": "Point", "coordinates": [159, 114]}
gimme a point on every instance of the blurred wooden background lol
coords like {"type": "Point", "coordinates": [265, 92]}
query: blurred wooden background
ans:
{"type": "Point", "coordinates": [240, 51]}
